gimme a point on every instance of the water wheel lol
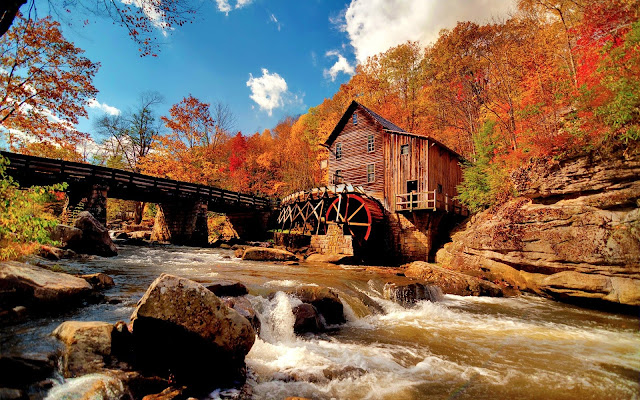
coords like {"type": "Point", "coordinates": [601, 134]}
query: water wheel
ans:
{"type": "Point", "coordinates": [356, 213]}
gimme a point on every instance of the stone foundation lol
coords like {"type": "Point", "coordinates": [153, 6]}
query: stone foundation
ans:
{"type": "Point", "coordinates": [335, 242]}
{"type": "Point", "coordinates": [411, 236]}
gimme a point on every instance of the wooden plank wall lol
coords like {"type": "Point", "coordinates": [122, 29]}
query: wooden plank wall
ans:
{"type": "Point", "coordinates": [444, 169]}
{"type": "Point", "coordinates": [403, 167]}
{"type": "Point", "coordinates": [355, 156]}
{"type": "Point", "coordinates": [427, 162]}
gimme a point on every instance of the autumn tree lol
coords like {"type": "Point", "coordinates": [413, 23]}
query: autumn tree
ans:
{"type": "Point", "coordinates": [608, 52]}
{"type": "Point", "coordinates": [46, 83]}
{"type": "Point", "coordinates": [142, 19]}
{"type": "Point", "coordinates": [194, 150]}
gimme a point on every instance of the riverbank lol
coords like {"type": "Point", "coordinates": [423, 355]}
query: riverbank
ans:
{"type": "Point", "coordinates": [524, 347]}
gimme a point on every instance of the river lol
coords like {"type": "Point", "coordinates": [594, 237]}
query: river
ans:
{"type": "Point", "coordinates": [458, 348]}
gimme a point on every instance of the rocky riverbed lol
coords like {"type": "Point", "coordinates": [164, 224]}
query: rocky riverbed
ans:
{"type": "Point", "coordinates": [325, 332]}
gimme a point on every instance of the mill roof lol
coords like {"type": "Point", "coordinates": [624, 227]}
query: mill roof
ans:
{"type": "Point", "coordinates": [385, 123]}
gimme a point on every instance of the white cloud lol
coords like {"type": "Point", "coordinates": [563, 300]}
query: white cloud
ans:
{"type": "Point", "coordinates": [342, 65]}
{"type": "Point", "coordinates": [224, 5]}
{"type": "Point", "coordinates": [93, 103]}
{"type": "Point", "coordinates": [374, 26]}
{"type": "Point", "coordinates": [242, 3]}
{"type": "Point", "coordinates": [270, 91]}
{"type": "Point", "coordinates": [273, 19]}
{"type": "Point", "coordinates": [153, 12]}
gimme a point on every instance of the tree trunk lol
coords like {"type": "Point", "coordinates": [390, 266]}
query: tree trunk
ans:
{"type": "Point", "coordinates": [8, 11]}
{"type": "Point", "coordinates": [138, 213]}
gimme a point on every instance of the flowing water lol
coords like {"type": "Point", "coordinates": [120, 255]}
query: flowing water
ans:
{"type": "Point", "coordinates": [458, 348]}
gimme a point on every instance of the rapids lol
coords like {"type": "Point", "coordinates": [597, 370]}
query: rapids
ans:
{"type": "Point", "coordinates": [461, 347]}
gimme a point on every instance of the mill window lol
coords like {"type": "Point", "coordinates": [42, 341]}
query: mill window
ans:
{"type": "Point", "coordinates": [404, 149]}
{"type": "Point", "coordinates": [371, 144]}
{"type": "Point", "coordinates": [355, 119]}
{"type": "Point", "coordinates": [371, 173]}
{"type": "Point", "coordinates": [338, 151]}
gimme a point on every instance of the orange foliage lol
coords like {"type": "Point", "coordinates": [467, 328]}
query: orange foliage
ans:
{"type": "Point", "coordinates": [45, 84]}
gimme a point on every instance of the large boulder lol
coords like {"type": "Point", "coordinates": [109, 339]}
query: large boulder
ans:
{"type": "Point", "coordinates": [573, 234]}
{"type": "Point", "coordinates": [95, 237]}
{"type": "Point", "coordinates": [307, 319]}
{"type": "Point", "coordinates": [24, 284]}
{"type": "Point", "coordinates": [87, 346]}
{"type": "Point", "coordinates": [243, 306]}
{"type": "Point", "coordinates": [181, 328]}
{"type": "Point", "coordinates": [325, 300]}
{"type": "Point", "coordinates": [409, 294]}
{"type": "Point", "coordinates": [268, 254]}
{"type": "Point", "coordinates": [66, 235]}
{"type": "Point", "coordinates": [451, 282]}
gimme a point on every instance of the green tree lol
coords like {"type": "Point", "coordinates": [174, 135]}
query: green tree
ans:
{"type": "Point", "coordinates": [483, 179]}
{"type": "Point", "coordinates": [24, 220]}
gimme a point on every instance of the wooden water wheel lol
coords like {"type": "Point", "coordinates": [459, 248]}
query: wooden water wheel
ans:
{"type": "Point", "coordinates": [358, 215]}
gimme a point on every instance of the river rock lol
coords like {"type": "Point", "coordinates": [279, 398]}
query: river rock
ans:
{"type": "Point", "coordinates": [24, 284]}
{"type": "Point", "coordinates": [167, 394]}
{"type": "Point", "coordinates": [332, 258]}
{"type": "Point", "coordinates": [21, 372]}
{"type": "Point", "coordinates": [227, 288]}
{"type": "Point", "coordinates": [325, 300]}
{"type": "Point", "coordinates": [141, 235]}
{"type": "Point", "coordinates": [95, 237]}
{"type": "Point", "coordinates": [452, 282]}
{"type": "Point", "coordinates": [66, 235]}
{"type": "Point", "coordinates": [573, 234]}
{"type": "Point", "coordinates": [99, 280]}
{"type": "Point", "coordinates": [12, 394]}
{"type": "Point", "coordinates": [120, 235]}
{"type": "Point", "coordinates": [307, 319]}
{"type": "Point", "coordinates": [181, 327]}
{"type": "Point", "coordinates": [243, 306]}
{"type": "Point", "coordinates": [87, 344]}
{"type": "Point", "coordinates": [51, 253]}
{"type": "Point", "coordinates": [268, 254]}
{"type": "Point", "coordinates": [408, 295]}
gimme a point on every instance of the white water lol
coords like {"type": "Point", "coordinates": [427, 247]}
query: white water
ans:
{"type": "Point", "coordinates": [461, 347]}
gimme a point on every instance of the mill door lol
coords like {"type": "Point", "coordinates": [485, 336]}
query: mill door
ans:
{"type": "Point", "coordinates": [412, 188]}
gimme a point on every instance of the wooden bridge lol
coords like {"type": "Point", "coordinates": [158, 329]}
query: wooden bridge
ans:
{"type": "Point", "coordinates": [90, 185]}
{"type": "Point", "coordinates": [126, 185]}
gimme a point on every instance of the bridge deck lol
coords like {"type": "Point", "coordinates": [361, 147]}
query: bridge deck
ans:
{"type": "Point", "coordinates": [31, 170]}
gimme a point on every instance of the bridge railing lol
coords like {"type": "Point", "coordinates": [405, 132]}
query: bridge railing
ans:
{"type": "Point", "coordinates": [63, 170]}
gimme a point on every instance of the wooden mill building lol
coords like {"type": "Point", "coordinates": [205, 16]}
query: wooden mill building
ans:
{"type": "Point", "coordinates": [406, 172]}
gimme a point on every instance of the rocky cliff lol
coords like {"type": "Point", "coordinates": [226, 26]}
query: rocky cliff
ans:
{"type": "Point", "coordinates": [573, 234]}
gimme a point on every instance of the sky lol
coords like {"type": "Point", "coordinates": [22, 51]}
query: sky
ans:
{"type": "Point", "coordinates": [265, 59]}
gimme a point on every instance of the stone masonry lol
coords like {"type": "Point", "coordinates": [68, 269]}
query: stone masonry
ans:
{"type": "Point", "coordinates": [335, 242]}
{"type": "Point", "coordinates": [411, 237]}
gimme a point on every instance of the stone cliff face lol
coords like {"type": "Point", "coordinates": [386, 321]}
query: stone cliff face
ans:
{"type": "Point", "coordinates": [573, 234]}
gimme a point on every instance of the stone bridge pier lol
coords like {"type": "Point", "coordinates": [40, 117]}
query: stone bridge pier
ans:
{"type": "Point", "coordinates": [182, 223]}
{"type": "Point", "coordinates": [92, 198]}
{"type": "Point", "coordinates": [251, 225]}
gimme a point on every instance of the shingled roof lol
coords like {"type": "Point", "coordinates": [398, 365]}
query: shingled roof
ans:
{"type": "Point", "coordinates": [386, 124]}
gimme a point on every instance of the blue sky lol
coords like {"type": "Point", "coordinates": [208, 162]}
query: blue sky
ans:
{"type": "Point", "coordinates": [266, 59]}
